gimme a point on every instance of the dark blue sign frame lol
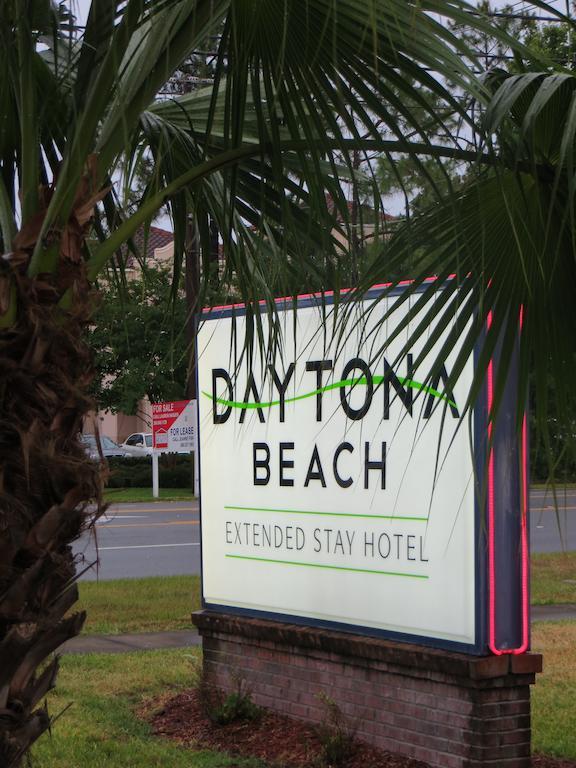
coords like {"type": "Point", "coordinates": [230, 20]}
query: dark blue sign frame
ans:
{"type": "Point", "coordinates": [500, 618]}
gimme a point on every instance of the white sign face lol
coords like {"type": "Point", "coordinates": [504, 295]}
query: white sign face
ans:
{"type": "Point", "coordinates": [337, 481]}
{"type": "Point", "coordinates": [173, 426]}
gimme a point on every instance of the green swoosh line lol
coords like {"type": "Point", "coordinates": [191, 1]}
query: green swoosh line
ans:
{"type": "Point", "coordinates": [336, 385]}
{"type": "Point", "coordinates": [329, 567]}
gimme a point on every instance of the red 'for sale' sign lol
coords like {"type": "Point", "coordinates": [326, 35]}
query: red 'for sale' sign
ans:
{"type": "Point", "coordinates": [173, 426]}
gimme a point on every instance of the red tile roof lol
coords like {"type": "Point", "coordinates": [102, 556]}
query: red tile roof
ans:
{"type": "Point", "coordinates": [146, 242]}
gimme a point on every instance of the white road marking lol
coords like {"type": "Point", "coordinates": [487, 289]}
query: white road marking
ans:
{"type": "Point", "coordinates": [126, 517]}
{"type": "Point", "coordinates": [150, 546]}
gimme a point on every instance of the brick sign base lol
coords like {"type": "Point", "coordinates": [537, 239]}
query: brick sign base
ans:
{"type": "Point", "coordinates": [447, 709]}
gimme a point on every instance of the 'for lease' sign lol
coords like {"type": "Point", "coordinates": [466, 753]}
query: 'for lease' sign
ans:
{"type": "Point", "coordinates": [337, 476]}
{"type": "Point", "coordinates": [173, 426]}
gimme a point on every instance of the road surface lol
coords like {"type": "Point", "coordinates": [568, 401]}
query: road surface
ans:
{"type": "Point", "coordinates": [137, 540]}
{"type": "Point", "coordinates": [162, 539]}
{"type": "Point", "coordinates": [551, 531]}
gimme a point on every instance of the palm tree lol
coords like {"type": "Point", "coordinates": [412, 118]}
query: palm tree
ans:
{"type": "Point", "coordinates": [508, 236]}
{"type": "Point", "coordinates": [297, 87]}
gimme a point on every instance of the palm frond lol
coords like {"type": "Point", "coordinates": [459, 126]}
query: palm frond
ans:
{"type": "Point", "coordinates": [508, 237]}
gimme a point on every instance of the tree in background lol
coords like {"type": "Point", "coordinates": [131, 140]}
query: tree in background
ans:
{"type": "Point", "coordinates": [422, 183]}
{"type": "Point", "coordinates": [553, 41]}
{"type": "Point", "coordinates": [138, 336]}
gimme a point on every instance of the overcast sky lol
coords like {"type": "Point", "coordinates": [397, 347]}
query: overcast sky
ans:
{"type": "Point", "coordinates": [80, 8]}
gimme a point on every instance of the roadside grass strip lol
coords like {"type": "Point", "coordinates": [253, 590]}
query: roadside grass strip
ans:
{"type": "Point", "coordinates": [100, 728]}
{"type": "Point", "coordinates": [553, 710]}
{"type": "Point", "coordinates": [553, 578]}
{"type": "Point", "coordinates": [156, 604]}
{"type": "Point", "coordinates": [128, 495]}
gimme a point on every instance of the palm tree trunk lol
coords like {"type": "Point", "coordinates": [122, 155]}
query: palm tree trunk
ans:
{"type": "Point", "coordinates": [50, 492]}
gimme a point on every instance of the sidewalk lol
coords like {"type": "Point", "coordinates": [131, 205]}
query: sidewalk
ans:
{"type": "Point", "coordinates": [185, 638]}
{"type": "Point", "coordinates": [559, 612]}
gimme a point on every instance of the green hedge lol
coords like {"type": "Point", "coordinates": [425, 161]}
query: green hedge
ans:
{"type": "Point", "coordinates": [176, 471]}
{"type": "Point", "coordinates": [564, 469]}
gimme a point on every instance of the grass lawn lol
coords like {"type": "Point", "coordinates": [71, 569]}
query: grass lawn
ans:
{"type": "Point", "coordinates": [166, 602]}
{"type": "Point", "coordinates": [553, 711]}
{"type": "Point", "coordinates": [139, 605]}
{"type": "Point", "coordinates": [100, 729]}
{"type": "Point", "coordinates": [126, 495]}
{"type": "Point", "coordinates": [553, 578]}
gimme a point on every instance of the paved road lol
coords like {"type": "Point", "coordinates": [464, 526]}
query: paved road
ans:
{"type": "Point", "coordinates": [135, 540]}
{"type": "Point", "coordinates": [549, 531]}
{"type": "Point", "coordinates": [162, 539]}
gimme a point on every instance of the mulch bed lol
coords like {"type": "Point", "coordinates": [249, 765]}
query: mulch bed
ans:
{"type": "Point", "coordinates": [276, 739]}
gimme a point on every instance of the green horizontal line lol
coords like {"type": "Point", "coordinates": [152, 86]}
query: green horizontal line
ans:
{"type": "Point", "coordinates": [327, 567]}
{"type": "Point", "coordinates": [329, 514]}
{"type": "Point", "coordinates": [361, 380]}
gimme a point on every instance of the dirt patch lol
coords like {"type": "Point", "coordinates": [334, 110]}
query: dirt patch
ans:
{"type": "Point", "coordinates": [276, 739]}
{"type": "Point", "coordinates": [279, 740]}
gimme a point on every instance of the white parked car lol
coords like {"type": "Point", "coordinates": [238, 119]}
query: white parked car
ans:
{"type": "Point", "coordinates": [138, 444]}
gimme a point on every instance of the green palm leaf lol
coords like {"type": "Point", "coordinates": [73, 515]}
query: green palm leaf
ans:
{"type": "Point", "coordinates": [508, 237]}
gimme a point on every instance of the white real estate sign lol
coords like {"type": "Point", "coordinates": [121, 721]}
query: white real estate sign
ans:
{"type": "Point", "coordinates": [337, 480]}
{"type": "Point", "coordinates": [173, 426]}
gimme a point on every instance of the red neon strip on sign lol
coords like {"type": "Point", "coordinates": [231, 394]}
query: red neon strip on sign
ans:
{"type": "Point", "coordinates": [524, 543]}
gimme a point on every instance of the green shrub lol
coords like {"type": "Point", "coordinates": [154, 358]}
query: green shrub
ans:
{"type": "Point", "coordinates": [336, 735]}
{"type": "Point", "coordinates": [222, 708]}
{"type": "Point", "coordinates": [237, 705]}
{"type": "Point", "coordinates": [175, 471]}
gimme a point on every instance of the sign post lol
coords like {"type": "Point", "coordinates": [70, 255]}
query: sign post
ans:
{"type": "Point", "coordinates": [155, 474]}
{"type": "Point", "coordinates": [196, 453]}
{"type": "Point", "coordinates": [174, 430]}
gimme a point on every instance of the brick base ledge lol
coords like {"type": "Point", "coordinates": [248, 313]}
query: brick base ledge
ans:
{"type": "Point", "coordinates": [447, 709]}
{"type": "Point", "coordinates": [414, 657]}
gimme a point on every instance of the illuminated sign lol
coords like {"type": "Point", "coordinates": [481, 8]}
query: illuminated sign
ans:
{"type": "Point", "coordinates": [338, 480]}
